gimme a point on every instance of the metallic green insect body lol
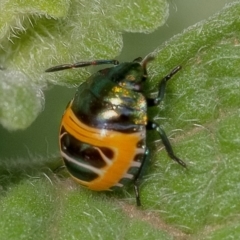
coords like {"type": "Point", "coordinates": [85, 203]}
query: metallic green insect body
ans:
{"type": "Point", "coordinates": [103, 130]}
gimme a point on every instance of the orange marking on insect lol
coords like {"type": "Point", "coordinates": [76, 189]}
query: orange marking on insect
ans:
{"type": "Point", "coordinates": [124, 146]}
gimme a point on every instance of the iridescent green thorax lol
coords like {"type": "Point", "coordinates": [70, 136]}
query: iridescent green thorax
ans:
{"type": "Point", "coordinates": [112, 98]}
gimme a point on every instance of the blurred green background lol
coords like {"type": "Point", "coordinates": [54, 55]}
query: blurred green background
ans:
{"type": "Point", "coordinates": [41, 138]}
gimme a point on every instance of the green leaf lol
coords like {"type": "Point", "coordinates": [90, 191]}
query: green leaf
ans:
{"type": "Point", "coordinates": [62, 212]}
{"type": "Point", "coordinates": [202, 104]}
{"type": "Point", "coordinates": [20, 101]}
{"type": "Point", "coordinates": [36, 36]}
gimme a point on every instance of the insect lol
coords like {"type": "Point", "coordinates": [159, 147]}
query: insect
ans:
{"type": "Point", "coordinates": [103, 130]}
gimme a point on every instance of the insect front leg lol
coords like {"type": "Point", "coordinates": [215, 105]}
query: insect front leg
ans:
{"type": "Point", "coordinates": [161, 88]}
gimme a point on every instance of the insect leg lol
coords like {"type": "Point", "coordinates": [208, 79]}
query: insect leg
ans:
{"type": "Point", "coordinates": [166, 142]}
{"type": "Point", "coordinates": [162, 87]}
{"type": "Point", "coordinates": [139, 176]}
